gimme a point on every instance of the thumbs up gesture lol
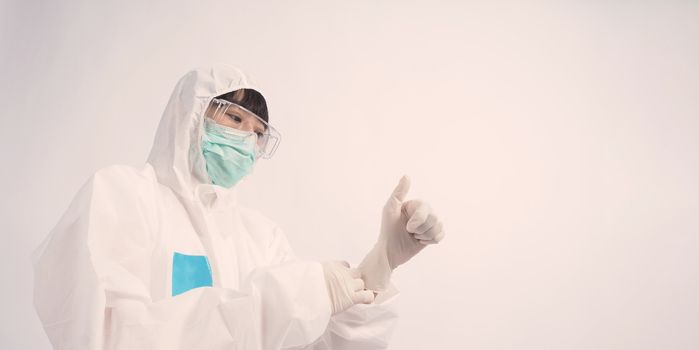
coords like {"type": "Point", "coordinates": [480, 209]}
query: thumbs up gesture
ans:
{"type": "Point", "coordinates": [406, 228]}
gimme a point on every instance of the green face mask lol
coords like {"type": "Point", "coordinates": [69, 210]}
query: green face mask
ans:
{"type": "Point", "coordinates": [229, 153]}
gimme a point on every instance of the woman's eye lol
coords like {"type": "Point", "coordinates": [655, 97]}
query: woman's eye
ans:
{"type": "Point", "coordinates": [235, 118]}
{"type": "Point", "coordinates": [259, 134]}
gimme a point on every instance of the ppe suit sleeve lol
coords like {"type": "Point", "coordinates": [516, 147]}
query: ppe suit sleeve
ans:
{"type": "Point", "coordinates": [93, 283]}
{"type": "Point", "coordinates": [361, 327]}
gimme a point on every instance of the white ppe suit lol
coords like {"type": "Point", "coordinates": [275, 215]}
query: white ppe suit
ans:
{"type": "Point", "coordinates": [158, 258]}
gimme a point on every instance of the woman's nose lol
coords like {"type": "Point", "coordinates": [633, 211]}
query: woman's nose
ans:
{"type": "Point", "coordinates": [246, 126]}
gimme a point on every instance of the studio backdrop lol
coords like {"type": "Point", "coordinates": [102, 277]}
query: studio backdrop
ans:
{"type": "Point", "coordinates": [557, 141]}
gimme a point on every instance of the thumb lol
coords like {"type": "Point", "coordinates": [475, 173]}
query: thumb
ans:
{"type": "Point", "coordinates": [401, 190]}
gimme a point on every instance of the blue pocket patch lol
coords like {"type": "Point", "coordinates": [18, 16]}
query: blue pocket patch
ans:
{"type": "Point", "coordinates": [189, 272]}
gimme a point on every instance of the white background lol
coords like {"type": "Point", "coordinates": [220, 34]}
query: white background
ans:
{"type": "Point", "coordinates": [559, 143]}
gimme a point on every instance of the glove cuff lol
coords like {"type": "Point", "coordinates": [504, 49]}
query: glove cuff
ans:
{"type": "Point", "coordinates": [375, 268]}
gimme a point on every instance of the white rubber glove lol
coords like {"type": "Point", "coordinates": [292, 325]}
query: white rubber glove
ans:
{"type": "Point", "coordinates": [406, 228]}
{"type": "Point", "coordinates": [345, 287]}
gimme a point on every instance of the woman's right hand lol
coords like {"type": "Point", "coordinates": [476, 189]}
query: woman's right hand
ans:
{"type": "Point", "coordinates": [345, 286]}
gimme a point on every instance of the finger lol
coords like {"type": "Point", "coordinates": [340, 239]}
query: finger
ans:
{"type": "Point", "coordinates": [401, 190]}
{"type": "Point", "coordinates": [357, 284]}
{"type": "Point", "coordinates": [355, 273]}
{"type": "Point", "coordinates": [418, 216]}
{"type": "Point", "coordinates": [410, 206]}
{"type": "Point", "coordinates": [413, 205]}
{"type": "Point", "coordinates": [429, 223]}
{"type": "Point", "coordinates": [431, 233]}
{"type": "Point", "coordinates": [436, 240]}
{"type": "Point", "coordinates": [426, 242]}
{"type": "Point", "coordinates": [363, 297]}
{"type": "Point", "coordinates": [440, 236]}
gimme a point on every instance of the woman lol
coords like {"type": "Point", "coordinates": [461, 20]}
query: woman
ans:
{"type": "Point", "coordinates": [164, 257]}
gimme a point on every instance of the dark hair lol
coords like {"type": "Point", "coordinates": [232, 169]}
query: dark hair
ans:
{"type": "Point", "coordinates": [250, 99]}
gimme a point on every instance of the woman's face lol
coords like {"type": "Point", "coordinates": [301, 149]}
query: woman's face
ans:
{"type": "Point", "coordinates": [234, 116]}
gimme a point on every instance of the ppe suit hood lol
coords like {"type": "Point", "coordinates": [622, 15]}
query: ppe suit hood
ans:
{"type": "Point", "coordinates": [176, 156]}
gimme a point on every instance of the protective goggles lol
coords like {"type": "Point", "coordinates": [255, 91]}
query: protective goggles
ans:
{"type": "Point", "coordinates": [231, 115]}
